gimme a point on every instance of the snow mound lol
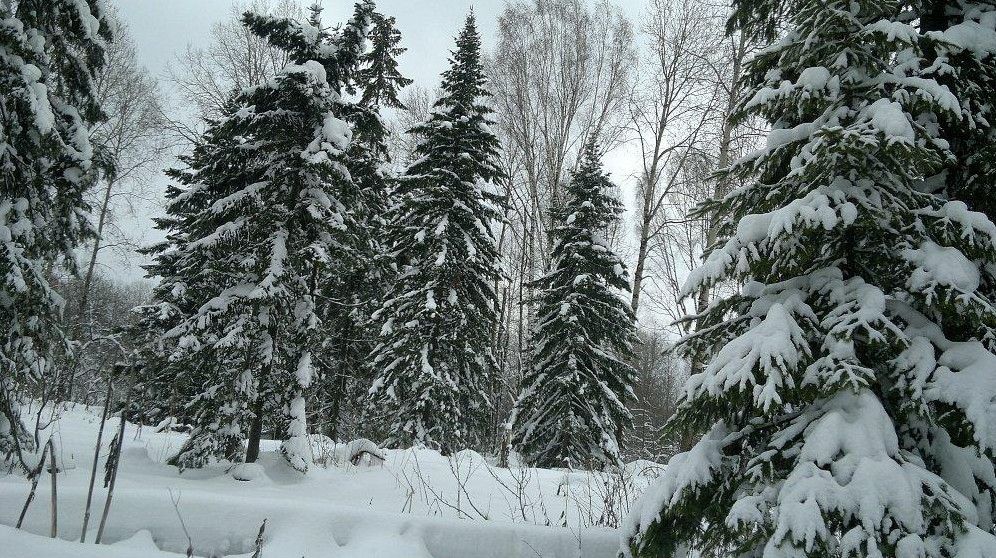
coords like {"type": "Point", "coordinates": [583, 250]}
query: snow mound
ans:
{"type": "Point", "coordinates": [375, 543]}
{"type": "Point", "coordinates": [140, 541]}
{"type": "Point", "coordinates": [248, 471]}
{"type": "Point", "coordinates": [363, 452]}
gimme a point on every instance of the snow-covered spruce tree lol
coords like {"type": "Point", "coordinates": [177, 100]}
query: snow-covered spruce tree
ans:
{"type": "Point", "coordinates": [164, 387]}
{"type": "Point", "coordinates": [572, 410]}
{"type": "Point", "coordinates": [962, 36]}
{"type": "Point", "coordinates": [358, 290]}
{"type": "Point", "coordinates": [270, 230]}
{"type": "Point", "coordinates": [965, 38]}
{"type": "Point", "coordinates": [379, 77]}
{"type": "Point", "coordinates": [848, 400]}
{"type": "Point", "coordinates": [434, 358]}
{"type": "Point", "coordinates": [49, 52]}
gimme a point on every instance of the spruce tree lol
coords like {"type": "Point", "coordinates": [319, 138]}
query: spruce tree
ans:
{"type": "Point", "coordinates": [358, 290]}
{"type": "Point", "coordinates": [963, 34]}
{"type": "Point", "coordinates": [169, 385]}
{"type": "Point", "coordinates": [379, 77]}
{"type": "Point", "coordinates": [49, 52]}
{"type": "Point", "coordinates": [847, 400]}
{"type": "Point", "coordinates": [572, 410]}
{"type": "Point", "coordinates": [268, 228]}
{"type": "Point", "coordinates": [434, 356]}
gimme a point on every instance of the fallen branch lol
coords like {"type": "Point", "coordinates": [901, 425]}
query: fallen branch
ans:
{"type": "Point", "coordinates": [258, 553]}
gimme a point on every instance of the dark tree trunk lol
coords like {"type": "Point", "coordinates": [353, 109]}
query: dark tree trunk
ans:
{"type": "Point", "coordinates": [255, 431]}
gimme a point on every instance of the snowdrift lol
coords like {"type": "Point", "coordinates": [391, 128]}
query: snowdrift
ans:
{"type": "Point", "coordinates": [416, 504]}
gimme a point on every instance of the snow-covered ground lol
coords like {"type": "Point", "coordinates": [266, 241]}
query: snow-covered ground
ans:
{"type": "Point", "coordinates": [418, 504]}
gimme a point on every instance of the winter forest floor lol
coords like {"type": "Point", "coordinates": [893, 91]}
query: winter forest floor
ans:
{"type": "Point", "coordinates": [418, 504]}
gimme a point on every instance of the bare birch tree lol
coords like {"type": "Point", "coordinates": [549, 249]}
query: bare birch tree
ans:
{"type": "Point", "coordinates": [681, 152]}
{"type": "Point", "coordinates": [418, 103]}
{"type": "Point", "coordinates": [733, 141]}
{"type": "Point", "coordinates": [132, 139]}
{"type": "Point", "coordinates": [235, 58]}
{"type": "Point", "coordinates": [671, 107]}
{"type": "Point", "coordinates": [560, 73]}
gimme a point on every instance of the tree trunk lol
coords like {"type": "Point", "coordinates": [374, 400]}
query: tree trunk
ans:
{"type": "Point", "coordinates": [935, 18]}
{"type": "Point", "coordinates": [54, 469]}
{"type": "Point", "coordinates": [641, 261]}
{"type": "Point", "coordinates": [86, 325]}
{"type": "Point", "coordinates": [255, 431]}
{"type": "Point", "coordinates": [88, 277]}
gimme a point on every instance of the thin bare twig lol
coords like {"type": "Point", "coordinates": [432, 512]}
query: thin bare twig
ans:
{"type": "Point", "coordinates": [183, 524]}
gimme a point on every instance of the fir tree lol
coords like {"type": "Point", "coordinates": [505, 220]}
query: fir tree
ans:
{"type": "Point", "coordinates": [434, 354]}
{"type": "Point", "coordinates": [268, 228]}
{"type": "Point", "coordinates": [573, 407]}
{"type": "Point", "coordinates": [847, 401]}
{"type": "Point", "coordinates": [49, 52]}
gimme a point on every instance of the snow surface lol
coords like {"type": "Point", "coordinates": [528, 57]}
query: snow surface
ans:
{"type": "Point", "coordinates": [417, 505]}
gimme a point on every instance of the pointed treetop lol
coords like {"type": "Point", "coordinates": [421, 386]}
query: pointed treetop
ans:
{"type": "Point", "coordinates": [591, 190]}
{"type": "Point", "coordinates": [463, 82]}
{"type": "Point", "coordinates": [469, 35]}
{"type": "Point", "coordinates": [461, 119]}
{"type": "Point", "coordinates": [315, 15]}
{"type": "Point", "coordinates": [590, 158]}
{"type": "Point", "coordinates": [379, 77]}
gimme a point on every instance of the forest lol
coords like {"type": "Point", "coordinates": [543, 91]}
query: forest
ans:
{"type": "Point", "coordinates": [634, 279]}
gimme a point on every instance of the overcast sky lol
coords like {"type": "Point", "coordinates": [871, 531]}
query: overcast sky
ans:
{"type": "Point", "coordinates": [163, 28]}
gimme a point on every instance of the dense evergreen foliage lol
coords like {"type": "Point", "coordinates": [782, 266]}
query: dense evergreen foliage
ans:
{"type": "Point", "coordinates": [379, 77]}
{"type": "Point", "coordinates": [847, 399]}
{"type": "Point", "coordinates": [49, 52]}
{"type": "Point", "coordinates": [434, 358]}
{"type": "Point", "coordinates": [572, 411]}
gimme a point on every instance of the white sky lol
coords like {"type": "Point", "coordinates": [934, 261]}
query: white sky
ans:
{"type": "Point", "coordinates": [162, 28]}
